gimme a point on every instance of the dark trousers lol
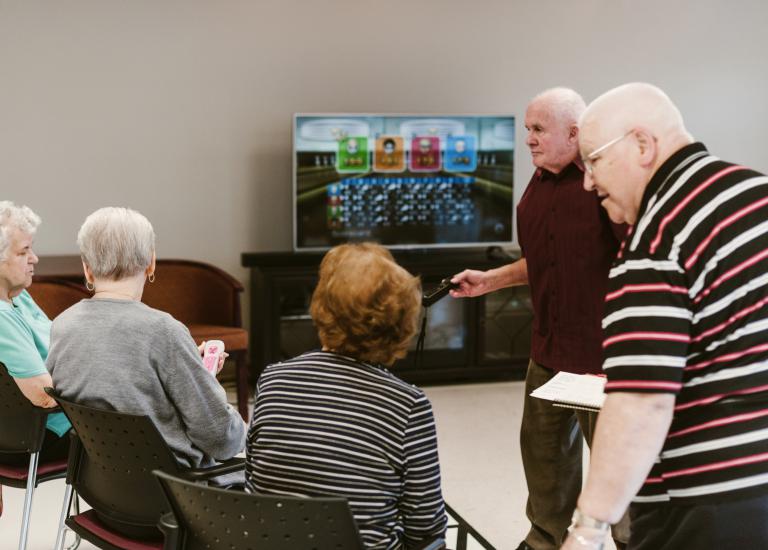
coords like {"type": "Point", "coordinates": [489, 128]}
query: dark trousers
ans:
{"type": "Point", "coordinates": [551, 446]}
{"type": "Point", "coordinates": [734, 525]}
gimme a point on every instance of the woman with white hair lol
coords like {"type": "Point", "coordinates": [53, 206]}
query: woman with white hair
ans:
{"type": "Point", "coordinates": [24, 328]}
{"type": "Point", "coordinates": [112, 351]}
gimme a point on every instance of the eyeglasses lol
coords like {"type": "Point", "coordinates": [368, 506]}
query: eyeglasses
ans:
{"type": "Point", "coordinates": [588, 165]}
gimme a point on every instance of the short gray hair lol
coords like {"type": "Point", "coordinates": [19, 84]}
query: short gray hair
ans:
{"type": "Point", "coordinates": [116, 243]}
{"type": "Point", "coordinates": [566, 104]}
{"type": "Point", "coordinates": [15, 217]}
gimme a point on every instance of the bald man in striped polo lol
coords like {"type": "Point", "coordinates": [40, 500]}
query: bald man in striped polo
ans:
{"type": "Point", "coordinates": [683, 434]}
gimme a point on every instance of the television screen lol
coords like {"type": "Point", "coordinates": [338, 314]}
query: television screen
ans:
{"type": "Point", "coordinates": [402, 180]}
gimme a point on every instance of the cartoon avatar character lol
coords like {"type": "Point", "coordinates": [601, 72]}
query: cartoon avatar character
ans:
{"type": "Point", "coordinates": [460, 154]}
{"type": "Point", "coordinates": [425, 154]}
{"type": "Point", "coordinates": [389, 155]}
{"type": "Point", "coordinates": [352, 149]}
{"type": "Point", "coordinates": [353, 155]}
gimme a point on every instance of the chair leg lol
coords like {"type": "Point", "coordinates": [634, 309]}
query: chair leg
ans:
{"type": "Point", "coordinates": [75, 543]}
{"type": "Point", "coordinates": [64, 514]}
{"type": "Point", "coordinates": [241, 377]}
{"type": "Point", "coordinates": [31, 482]}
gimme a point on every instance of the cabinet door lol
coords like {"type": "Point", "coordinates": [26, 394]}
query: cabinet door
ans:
{"type": "Point", "coordinates": [504, 332]}
{"type": "Point", "coordinates": [447, 340]}
{"type": "Point", "coordinates": [296, 334]}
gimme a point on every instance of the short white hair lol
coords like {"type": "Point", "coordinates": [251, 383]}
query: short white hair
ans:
{"type": "Point", "coordinates": [565, 104]}
{"type": "Point", "coordinates": [116, 243]}
{"type": "Point", "coordinates": [15, 217]}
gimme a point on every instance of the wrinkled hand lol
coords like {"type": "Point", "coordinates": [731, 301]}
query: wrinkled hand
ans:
{"type": "Point", "coordinates": [471, 283]}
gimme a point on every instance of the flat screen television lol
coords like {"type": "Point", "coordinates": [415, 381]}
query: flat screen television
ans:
{"type": "Point", "coordinates": [405, 181]}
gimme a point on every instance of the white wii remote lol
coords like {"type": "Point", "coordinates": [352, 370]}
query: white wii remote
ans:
{"type": "Point", "coordinates": [213, 350]}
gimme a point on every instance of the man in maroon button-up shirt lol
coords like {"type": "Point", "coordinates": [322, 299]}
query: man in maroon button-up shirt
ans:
{"type": "Point", "coordinates": [568, 244]}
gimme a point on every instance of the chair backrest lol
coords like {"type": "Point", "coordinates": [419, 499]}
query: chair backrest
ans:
{"type": "Point", "coordinates": [195, 293]}
{"type": "Point", "coordinates": [112, 469]}
{"type": "Point", "coordinates": [22, 425]}
{"type": "Point", "coordinates": [209, 517]}
{"type": "Point", "coordinates": [54, 295]}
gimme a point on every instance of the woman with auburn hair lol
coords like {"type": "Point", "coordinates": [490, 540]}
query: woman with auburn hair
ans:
{"type": "Point", "coordinates": [337, 422]}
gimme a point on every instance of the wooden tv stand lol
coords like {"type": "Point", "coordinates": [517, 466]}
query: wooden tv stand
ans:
{"type": "Point", "coordinates": [485, 338]}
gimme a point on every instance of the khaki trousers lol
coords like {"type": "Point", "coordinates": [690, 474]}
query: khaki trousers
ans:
{"type": "Point", "coordinates": [551, 446]}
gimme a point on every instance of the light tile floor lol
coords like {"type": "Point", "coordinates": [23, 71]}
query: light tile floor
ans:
{"type": "Point", "coordinates": [477, 427]}
{"type": "Point", "coordinates": [477, 431]}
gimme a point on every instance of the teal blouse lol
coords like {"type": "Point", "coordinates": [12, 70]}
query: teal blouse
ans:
{"type": "Point", "coordinates": [25, 335]}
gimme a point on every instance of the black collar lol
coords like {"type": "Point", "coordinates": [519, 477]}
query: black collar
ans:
{"type": "Point", "coordinates": [679, 159]}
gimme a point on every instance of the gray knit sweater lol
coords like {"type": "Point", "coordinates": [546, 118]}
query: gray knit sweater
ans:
{"type": "Point", "coordinates": [126, 356]}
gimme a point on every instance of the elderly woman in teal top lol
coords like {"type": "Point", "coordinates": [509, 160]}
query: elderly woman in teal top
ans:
{"type": "Point", "coordinates": [25, 330]}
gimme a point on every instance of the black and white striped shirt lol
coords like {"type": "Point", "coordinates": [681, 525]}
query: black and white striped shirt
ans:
{"type": "Point", "coordinates": [687, 313]}
{"type": "Point", "coordinates": [325, 424]}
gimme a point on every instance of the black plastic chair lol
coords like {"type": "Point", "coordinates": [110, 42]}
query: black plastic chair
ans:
{"type": "Point", "coordinates": [110, 467]}
{"type": "Point", "coordinates": [22, 430]}
{"type": "Point", "coordinates": [208, 517]}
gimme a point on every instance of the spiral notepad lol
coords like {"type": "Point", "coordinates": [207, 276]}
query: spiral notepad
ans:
{"type": "Point", "coordinates": [577, 391]}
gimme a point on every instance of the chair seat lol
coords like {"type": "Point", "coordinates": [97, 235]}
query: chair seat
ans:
{"type": "Point", "coordinates": [43, 469]}
{"type": "Point", "coordinates": [90, 523]}
{"type": "Point", "coordinates": [234, 338]}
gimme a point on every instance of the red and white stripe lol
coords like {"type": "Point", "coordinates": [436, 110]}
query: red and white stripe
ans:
{"type": "Point", "coordinates": [642, 385]}
{"type": "Point", "coordinates": [683, 203]}
{"type": "Point", "coordinates": [731, 273]}
{"type": "Point", "coordinates": [732, 319]}
{"type": "Point", "coordinates": [693, 258]}
{"type": "Point", "coordinates": [736, 418]}
{"type": "Point", "coordinates": [719, 396]}
{"type": "Point", "coordinates": [659, 287]}
{"type": "Point", "coordinates": [742, 461]}
{"type": "Point", "coordinates": [728, 357]}
{"type": "Point", "coordinates": [660, 336]}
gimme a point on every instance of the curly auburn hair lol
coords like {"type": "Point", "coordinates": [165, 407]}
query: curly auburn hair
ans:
{"type": "Point", "coordinates": [365, 305]}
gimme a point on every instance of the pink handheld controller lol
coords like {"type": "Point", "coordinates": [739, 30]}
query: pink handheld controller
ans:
{"type": "Point", "coordinates": [213, 350]}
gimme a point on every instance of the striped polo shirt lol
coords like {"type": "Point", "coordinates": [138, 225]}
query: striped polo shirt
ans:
{"type": "Point", "coordinates": [687, 313]}
{"type": "Point", "coordinates": [325, 424]}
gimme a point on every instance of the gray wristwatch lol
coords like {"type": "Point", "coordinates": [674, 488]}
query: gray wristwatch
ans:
{"type": "Point", "coordinates": [581, 520]}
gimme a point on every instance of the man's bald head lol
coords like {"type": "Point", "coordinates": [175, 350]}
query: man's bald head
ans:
{"type": "Point", "coordinates": [637, 105]}
{"type": "Point", "coordinates": [625, 135]}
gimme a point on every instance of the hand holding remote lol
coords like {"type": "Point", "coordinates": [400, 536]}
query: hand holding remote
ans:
{"type": "Point", "coordinates": [442, 289]}
{"type": "Point", "coordinates": [213, 356]}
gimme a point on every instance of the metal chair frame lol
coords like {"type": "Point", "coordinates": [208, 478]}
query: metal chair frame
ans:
{"type": "Point", "coordinates": [23, 431]}
{"type": "Point", "coordinates": [110, 465]}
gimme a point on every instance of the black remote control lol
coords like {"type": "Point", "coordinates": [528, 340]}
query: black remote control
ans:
{"type": "Point", "coordinates": [442, 289]}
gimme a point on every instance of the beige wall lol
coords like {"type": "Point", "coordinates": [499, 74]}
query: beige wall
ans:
{"type": "Point", "coordinates": [182, 108]}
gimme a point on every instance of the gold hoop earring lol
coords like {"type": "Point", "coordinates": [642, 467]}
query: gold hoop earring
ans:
{"type": "Point", "coordinates": [151, 277]}
{"type": "Point", "coordinates": [90, 286]}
